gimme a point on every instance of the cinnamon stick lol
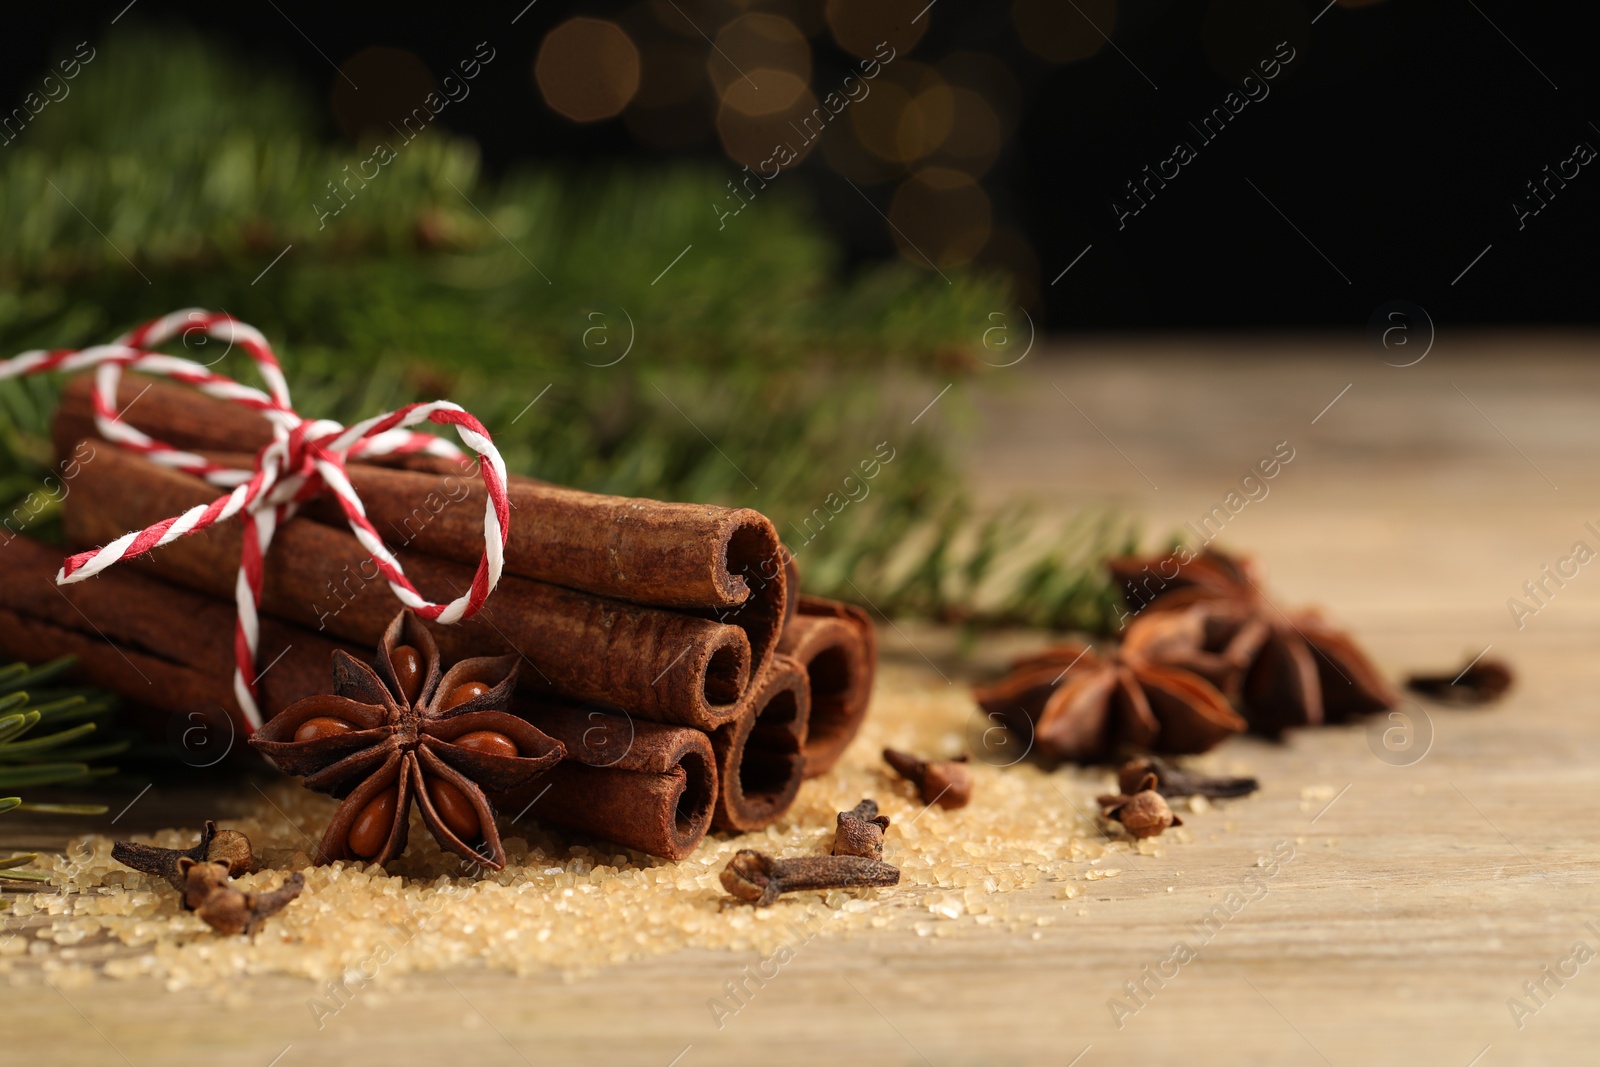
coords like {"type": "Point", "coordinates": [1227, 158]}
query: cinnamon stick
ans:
{"type": "Point", "coordinates": [761, 753]}
{"type": "Point", "coordinates": [660, 665]}
{"type": "Point", "coordinates": [161, 647]}
{"type": "Point", "coordinates": [726, 561]}
{"type": "Point", "coordinates": [838, 648]}
{"type": "Point", "coordinates": [717, 563]}
{"type": "Point", "coordinates": [641, 784]}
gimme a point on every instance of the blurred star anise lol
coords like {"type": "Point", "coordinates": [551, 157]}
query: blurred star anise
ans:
{"type": "Point", "coordinates": [406, 732]}
{"type": "Point", "coordinates": [1077, 704]}
{"type": "Point", "coordinates": [1282, 669]}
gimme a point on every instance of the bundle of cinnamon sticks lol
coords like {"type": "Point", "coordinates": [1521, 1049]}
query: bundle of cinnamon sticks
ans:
{"type": "Point", "coordinates": [662, 643]}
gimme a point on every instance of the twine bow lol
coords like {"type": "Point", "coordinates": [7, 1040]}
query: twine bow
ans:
{"type": "Point", "coordinates": [305, 459]}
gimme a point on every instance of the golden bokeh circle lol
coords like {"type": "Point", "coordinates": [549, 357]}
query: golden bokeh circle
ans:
{"type": "Point", "coordinates": [976, 135]}
{"type": "Point", "coordinates": [1063, 32]}
{"type": "Point", "coordinates": [754, 41]}
{"type": "Point", "coordinates": [765, 92]}
{"type": "Point", "coordinates": [875, 120]}
{"type": "Point", "coordinates": [867, 29]}
{"type": "Point", "coordinates": [940, 214]}
{"type": "Point", "coordinates": [394, 83]}
{"type": "Point", "coordinates": [771, 140]}
{"type": "Point", "coordinates": [587, 69]}
{"type": "Point", "coordinates": [925, 122]}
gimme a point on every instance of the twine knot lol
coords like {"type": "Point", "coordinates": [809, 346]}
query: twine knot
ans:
{"type": "Point", "coordinates": [305, 459]}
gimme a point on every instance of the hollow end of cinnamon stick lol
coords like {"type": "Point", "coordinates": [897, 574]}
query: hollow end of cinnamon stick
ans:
{"type": "Point", "coordinates": [837, 645]}
{"type": "Point", "coordinates": [761, 753]}
{"type": "Point", "coordinates": [666, 554]}
{"type": "Point", "coordinates": [666, 665]}
{"type": "Point", "coordinates": [642, 785]}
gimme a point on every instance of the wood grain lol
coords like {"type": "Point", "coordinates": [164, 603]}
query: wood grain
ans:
{"type": "Point", "coordinates": [1414, 906]}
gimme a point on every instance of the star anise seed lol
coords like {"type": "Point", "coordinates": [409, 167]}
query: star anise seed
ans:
{"type": "Point", "coordinates": [404, 732]}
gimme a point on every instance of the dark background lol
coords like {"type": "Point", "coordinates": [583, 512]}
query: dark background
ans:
{"type": "Point", "coordinates": [1395, 142]}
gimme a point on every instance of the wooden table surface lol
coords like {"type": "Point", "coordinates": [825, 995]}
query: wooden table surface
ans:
{"type": "Point", "coordinates": [1424, 889]}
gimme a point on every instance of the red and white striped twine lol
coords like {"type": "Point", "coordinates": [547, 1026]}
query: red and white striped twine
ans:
{"type": "Point", "coordinates": [305, 459]}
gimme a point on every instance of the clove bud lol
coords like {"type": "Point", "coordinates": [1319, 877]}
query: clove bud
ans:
{"type": "Point", "coordinates": [1143, 814]}
{"type": "Point", "coordinates": [204, 876]}
{"type": "Point", "coordinates": [210, 894]}
{"type": "Point", "coordinates": [229, 847]}
{"type": "Point", "coordinates": [947, 783]}
{"type": "Point", "coordinates": [1174, 781]}
{"type": "Point", "coordinates": [758, 877]}
{"type": "Point", "coordinates": [860, 831]}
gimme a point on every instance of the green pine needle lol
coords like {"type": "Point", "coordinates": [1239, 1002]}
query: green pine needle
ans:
{"type": "Point", "coordinates": [22, 751]}
{"type": "Point", "coordinates": [762, 373]}
{"type": "Point", "coordinates": [59, 757]}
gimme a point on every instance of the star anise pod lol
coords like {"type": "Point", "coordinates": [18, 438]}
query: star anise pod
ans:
{"type": "Point", "coordinates": [408, 732]}
{"type": "Point", "coordinates": [1283, 669]}
{"type": "Point", "coordinates": [1089, 707]}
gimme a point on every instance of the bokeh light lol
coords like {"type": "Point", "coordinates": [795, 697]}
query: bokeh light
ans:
{"type": "Point", "coordinates": [807, 15]}
{"type": "Point", "coordinates": [907, 114]}
{"type": "Point", "coordinates": [753, 42]}
{"type": "Point", "coordinates": [861, 26]}
{"type": "Point", "coordinates": [989, 77]}
{"type": "Point", "coordinates": [692, 19]}
{"type": "Point", "coordinates": [587, 69]}
{"type": "Point", "coordinates": [974, 138]}
{"type": "Point", "coordinates": [393, 83]}
{"type": "Point", "coordinates": [751, 136]}
{"type": "Point", "coordinates": [847, 158]}
{"type": "Point", "coordinates": [1064, 32]}
{"type": "Point", "coordinates": [875, 119]}
{"type": "Point", "coordinates": [940, 214]}
{"type": "Point", "coordinates": [765, 92]}
{"type": "Point", "coordinates": [926, 121]}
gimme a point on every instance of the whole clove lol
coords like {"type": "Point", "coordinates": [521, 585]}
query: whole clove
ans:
{"type": "Point", "coordinates": [1173, 781]}
{"type": "Point", "coordinates": [947, 783]}
{"type": "Point", "coordinates": [860, 831]}
{"type": "Point", "coordinates": [203, 875]}
{"type": "Point", "coordinates": [229, 847]}
{"type": "Point", "coordinates": [1482, 681]}
{"type": "Point", "coordinates": [1144, 813]}
{"type": "Point", "coordinates": [758, 877]}
{"type": "Point", "coordinates": [209, 892]}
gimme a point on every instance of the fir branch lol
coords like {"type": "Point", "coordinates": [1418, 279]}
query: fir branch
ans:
{"type": "Point", "coordinates": [754, 362]}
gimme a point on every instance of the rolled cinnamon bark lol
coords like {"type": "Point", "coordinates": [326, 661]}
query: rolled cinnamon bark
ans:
{"type": "Point", "coordinates": [838, 648]}
{"type": "Point", "coordinates": [136, 675]}
{"type": "Point", "coordinates": [661, 665]}
{"type": "Point", "coordinates": [723, 562]}
{"type": "Point", "coordinates": [761, 753]}
{"type": "Point", "coordinates": [640, 784]}
{"type": "Point", "coordinates": [165, 648]}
